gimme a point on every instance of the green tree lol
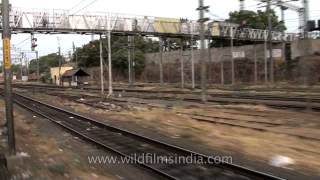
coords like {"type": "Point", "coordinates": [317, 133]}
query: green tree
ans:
{"type": "Point", "coordinates": [45, 63]}
{"type": "Point", "coordinates": [256, 20]}
{"type": "Point", "coordinates": [15, 68]}
{"type": "Point", "coordinates": [89, 54]}
{"type": "Point", "coordinates": [250, 19]}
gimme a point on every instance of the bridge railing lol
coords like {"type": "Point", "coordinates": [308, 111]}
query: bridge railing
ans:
{"type": "Point", "coordinates": [48, 20]}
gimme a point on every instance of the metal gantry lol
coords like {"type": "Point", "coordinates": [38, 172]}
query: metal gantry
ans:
{"type": "Point", "coordinates": [303, 13]}
{"type": "Point", "coordinates": [63, 22]}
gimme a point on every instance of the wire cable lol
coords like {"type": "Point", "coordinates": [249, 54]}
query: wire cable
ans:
{"type": "Point", "coordinates": [22, 41]}
{"type": "Point", "coordinates": [77, 5]}
{"type": "Point", "coordinates": [85, 7]}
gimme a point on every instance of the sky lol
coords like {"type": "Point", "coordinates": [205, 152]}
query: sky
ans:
{"type": "Point", "coordinates": [162, 8]}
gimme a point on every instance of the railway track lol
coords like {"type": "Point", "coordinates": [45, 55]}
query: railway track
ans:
{"type": "Point", "coordinates": [261, 125]}
{"type": "Point", "coordinates": [299, 102]}
{"type": "Point", "coordinates": [127, 144]}
{"type": "Point", "coordinates": [4, 174]}
{"type": "Point", "coordinates": [253, 125]}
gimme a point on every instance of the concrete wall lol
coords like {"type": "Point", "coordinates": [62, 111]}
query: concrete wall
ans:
{"type": "Point", "coordinates": [305, 48]}
{"type": "Point", "coordinates": [244, 67]}
{"type": "Point", "coordinates": [55, 73]}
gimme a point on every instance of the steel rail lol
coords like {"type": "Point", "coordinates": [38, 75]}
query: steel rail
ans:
{"type": "Point", "coordinates": [238, 95]}
{"type": "Point", "coordinates": [272, 101]}
{"type": "Point", "coordinates": [239, 171]}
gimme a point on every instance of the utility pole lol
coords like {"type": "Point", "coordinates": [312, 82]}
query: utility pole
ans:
{"type": "Point", "coordinates": [181, 64]}
{"type": "Point", "coordinates": [202, 19]}
{"type": "Point", "coordinates": [101, 67]}
{"type": "Point", "coordinates": [38, 66]}
{"type": "Point", "coordinates": [210, 61]}
{"type": "Point", "coordinates": [129, 61]}
{"type": "Point", "coordinates": [270, 41]}
{"type": "Point", "coordinates": [255, 64]}
{"type": "Point", "coordinates": [60, 59]}
{"type": "Point", "coordinates": [6, 37]}
{"type": "Point", "coordinates": [306, 17]}
{"type": "Point", "coordinates": [241, 5]}
{"type": "Point", "coordinates": [283, 32]}
{"type": "Point", "coordinates": [21, 64]}
{"type": "Point", "coordinates": [161, 61]}
{"type": "Point", "coordinates": [75, 54]}
{"type": "Point", "coordinates": [192, 63]}
{"type": "Point", "coordinates": [110, 64]}
{"type": "Point", "coordinates": [265, 57]}
{"type": "Point", "coordinates": [221, 65]}
{"type": "Point", "coordinates": [133, 62]}
{"type": "Point", "coordinates": [232, 59]}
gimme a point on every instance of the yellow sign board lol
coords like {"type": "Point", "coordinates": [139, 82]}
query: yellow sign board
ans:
{"type": "Point", "coordinates": [167, 25]}
{"type": "Point", "coordinates": [6, 53]}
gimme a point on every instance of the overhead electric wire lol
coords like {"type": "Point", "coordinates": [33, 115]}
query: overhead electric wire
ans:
{"type": "Point", "coordinates": [85, 7]}
{"type": "Point", "coordinates": [253, 5]}
{"type": "Point", "coordinates": [22, 41]}
{"type": "Point", "coordinates": [77, 5]}
{"type": "Point", "coordinates": [214, 15]}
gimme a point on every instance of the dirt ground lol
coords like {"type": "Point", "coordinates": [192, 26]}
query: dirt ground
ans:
{"type": "Point", "coordinates": [51, 153]}
{"type": "Point", "coordinates": [260, 146]}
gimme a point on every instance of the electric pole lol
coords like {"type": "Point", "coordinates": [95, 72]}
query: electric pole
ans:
{"type": "Point", "coordinates": [161, 61]}
{"type": "Point", "coordinates": [306, 17]}
{"type": "Point", "coordinates": [255, 63]}
{"type": "Point", "coordinates": [265, 57]}
{"type": "Point", "coordinates": [60, 59]}
{"type": "Point", "coordinates": [283, 32]}
{"type": "Point", "coordinates": [101, 67]}
{"type": "Point", "coordinates": [202, 9]}
{"type": "Point", "coordinates": [75, 54]}
{"type": "Point", "coordinates": [241, 5]}
{"type": "Point", "coordinates": [192, 63]}
{"type": "Point", "coordinates": [110, 64]}
{"type": "Point", "coordinates": [38, 66]}
{"type": "Point", "coordinates": [181, 63]}
{"type": "Point", "coordinates": [232, 58]}
{"type": "Point", "coordinates": [129, 61]}
{"type": "Point", "coordinates": [270, 41]}
{"type": "Point", "coordinates": [21, 64]}
{"type": "Point", "coordinates": [133, 61]}
{"type": "Point", "coordinates": [6, 36]}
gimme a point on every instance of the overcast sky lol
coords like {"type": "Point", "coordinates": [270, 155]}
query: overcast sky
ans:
{"type": "Point", "coordinates": [163, 8]}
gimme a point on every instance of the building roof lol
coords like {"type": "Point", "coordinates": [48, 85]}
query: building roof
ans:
{"type": "Point", "coordinates": [74, 72]}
